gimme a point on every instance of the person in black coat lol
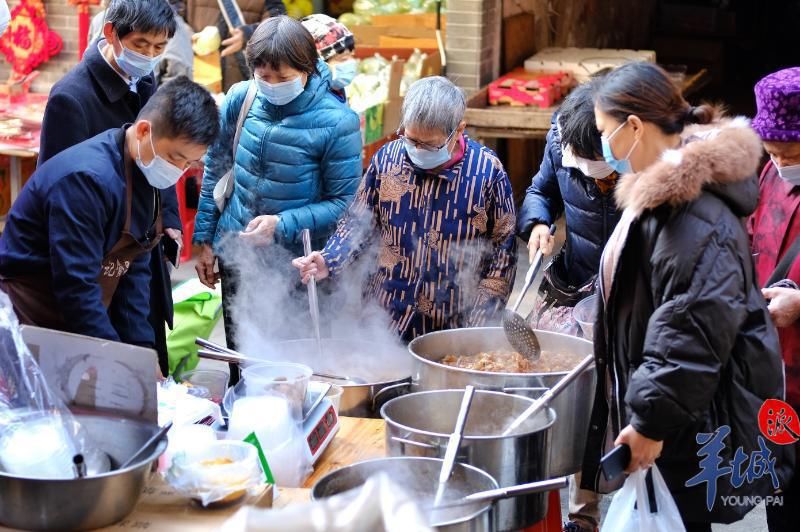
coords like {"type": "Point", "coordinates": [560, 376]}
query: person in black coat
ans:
{"type": "Point", "coordinates": [574, 180]}
{"type": "Point", "coordinates": [106, 90]}
{"type": "Point", "coordinates": [684, 345]}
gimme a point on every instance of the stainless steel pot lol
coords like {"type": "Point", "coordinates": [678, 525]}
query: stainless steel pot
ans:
{"type": "Point", "coordinates": [86, 503]}
{"type": "Point", "coordinates": [573, 407]}
{"type": "Point", "coordinates": [419, 425]}
{"type": "Point", "coordinates": [382, 371]}
{"type": "Point", "coordinates": [420, 478]}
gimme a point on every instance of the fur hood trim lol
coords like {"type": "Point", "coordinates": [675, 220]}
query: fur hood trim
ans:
{"type": "Point", "coordinates": [724, 152]}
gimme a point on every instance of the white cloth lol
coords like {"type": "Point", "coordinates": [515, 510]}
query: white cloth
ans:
{"type": "Point", "coordinates": [5, 16]}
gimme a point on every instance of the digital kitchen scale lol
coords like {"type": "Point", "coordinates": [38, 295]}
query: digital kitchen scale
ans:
{"type": "Point", "coordinates": [320, 422]}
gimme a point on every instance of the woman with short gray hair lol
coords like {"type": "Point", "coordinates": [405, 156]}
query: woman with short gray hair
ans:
{"type": "Point", "coordinates": [443, 207]}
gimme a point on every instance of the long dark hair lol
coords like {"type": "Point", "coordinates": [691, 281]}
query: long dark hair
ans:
{"type": "Point", "coordinates": [646, 90]}
{"type": "Point", "coordinates": [282, 40]}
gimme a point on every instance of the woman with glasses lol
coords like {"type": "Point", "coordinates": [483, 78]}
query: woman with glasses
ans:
{"type": "Point", "coordinates": [298, 161]}
{"type": "Point", "coordinates": [439, 209]}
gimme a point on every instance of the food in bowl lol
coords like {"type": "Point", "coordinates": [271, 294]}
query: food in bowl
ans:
{"type": "Point", "coordinates": [512, 362]}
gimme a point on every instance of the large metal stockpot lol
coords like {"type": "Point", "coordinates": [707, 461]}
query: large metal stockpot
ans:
{"type": "Point", "coordinates": [573, 406]}
{"type": "Point", "coordinates": [420, 424]}
{"type": "Point", "coordinates": [420, 478]}
{"type": "Point", "coordinates": [85, 503]}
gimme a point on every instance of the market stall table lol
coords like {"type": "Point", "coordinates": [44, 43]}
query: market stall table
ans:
{"type": "Point", "coordinates": [161, 509]}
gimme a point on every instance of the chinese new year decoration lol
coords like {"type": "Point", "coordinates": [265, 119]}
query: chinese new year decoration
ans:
{"type": "Point", "coordinates": [28, 41]}
{"type": "Point", "coordinates": [83, 22]}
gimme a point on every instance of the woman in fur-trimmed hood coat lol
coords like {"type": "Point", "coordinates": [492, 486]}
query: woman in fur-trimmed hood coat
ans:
{"type": "Point", "coordinates": [684, 343]}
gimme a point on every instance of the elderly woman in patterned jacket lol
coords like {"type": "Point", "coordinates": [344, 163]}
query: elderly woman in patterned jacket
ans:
{"type": "Point", "coordinates": [441, 211]}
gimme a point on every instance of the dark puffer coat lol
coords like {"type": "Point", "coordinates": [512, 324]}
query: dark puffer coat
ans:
{"type": "Point", "coordinates": [591, 215]}
{"type": "Point", "coordinates": [685, 343]}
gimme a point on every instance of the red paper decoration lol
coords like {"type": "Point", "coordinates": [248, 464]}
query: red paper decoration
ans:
{"type": "Point", "coordinates": [83, 22]}
{"type": "Point", "coordinates": [28, 42]}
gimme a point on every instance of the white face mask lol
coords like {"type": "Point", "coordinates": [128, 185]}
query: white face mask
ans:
{"type": "Point", "coordinates": [159, 173]}
{"type": "Point", "coordinates": [588, 167]}
{"type": "Point", "coordinates": [790, 174]}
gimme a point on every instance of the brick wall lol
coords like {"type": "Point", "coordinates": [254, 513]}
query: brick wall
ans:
{"type": "Point", "coordinates": [63, 19]}
{"type": "Point", "coordinates": [474, 30]}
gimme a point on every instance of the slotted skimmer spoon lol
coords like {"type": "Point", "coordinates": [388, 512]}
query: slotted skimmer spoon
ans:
{"type": "Point", "coordinates": [519, 334]}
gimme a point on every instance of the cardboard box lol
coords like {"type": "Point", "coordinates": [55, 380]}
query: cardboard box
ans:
{"type": "Point", "coordinates": [583, 62]}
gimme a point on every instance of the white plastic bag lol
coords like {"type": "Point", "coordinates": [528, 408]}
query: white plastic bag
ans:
{"type": "Point", "coordinates": [630, 509]}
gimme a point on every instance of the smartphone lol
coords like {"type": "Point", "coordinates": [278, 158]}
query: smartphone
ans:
{"type": "Point", "coordinates": [615, 462]}
{"type": "Point", "coordinates": [172, 249]}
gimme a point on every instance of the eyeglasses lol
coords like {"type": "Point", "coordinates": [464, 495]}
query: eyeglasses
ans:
{"type": "Point", "coordinates": [424, 145]}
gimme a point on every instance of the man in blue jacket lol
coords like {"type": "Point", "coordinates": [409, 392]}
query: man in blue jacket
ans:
{"type": "Point", "coordinates": [108, 89]}
{"type": "Point", "coordinates": [74, 255]}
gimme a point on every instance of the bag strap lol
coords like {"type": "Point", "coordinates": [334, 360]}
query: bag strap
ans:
{"type": "Point", "coordinates": [252, 90]}
{"type": "Point", "coordinates": [782, 269]}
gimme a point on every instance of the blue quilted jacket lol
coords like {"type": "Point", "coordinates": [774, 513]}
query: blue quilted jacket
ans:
{"type": "Point", "coordinates": [301, 161]}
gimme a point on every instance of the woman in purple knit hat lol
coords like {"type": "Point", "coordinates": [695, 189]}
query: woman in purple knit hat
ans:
{"type": "Point", "coordinates": [775, 228]}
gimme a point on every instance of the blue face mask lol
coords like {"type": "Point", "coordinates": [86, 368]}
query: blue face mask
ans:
{"type": "Point", "coordinates": [426, 159]}
{"type": "Point", "coordinates": [135, 64]}
{"type": "Point", "coordinates": [621, 166]}
{"type": "Point", "coordinates": [343, 73]}
{"type": "Point", "coordinates": [283, 92]}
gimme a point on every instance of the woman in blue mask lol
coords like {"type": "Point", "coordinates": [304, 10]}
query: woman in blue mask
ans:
{"type": "Point", "coordinates": [297, 163]}
{"type": "Point", "coordinates": [335, 44]}
{"type": "Point", "coordinates": [684, 345]}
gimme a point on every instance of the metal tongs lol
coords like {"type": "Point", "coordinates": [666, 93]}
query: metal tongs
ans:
{"type": "Point", "coordinates": [313, 302]}
{"type": "Point", "coordinates": [519, 333]}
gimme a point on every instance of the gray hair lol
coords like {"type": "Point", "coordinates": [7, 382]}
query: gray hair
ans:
{"type": "Point", "coordinates": [433, 103]}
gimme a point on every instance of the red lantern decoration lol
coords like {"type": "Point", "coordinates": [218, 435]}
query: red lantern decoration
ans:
{"type": "Point", "coordinates": [28, 41]}
{"type": "Point", "coordinates": [83, 23]}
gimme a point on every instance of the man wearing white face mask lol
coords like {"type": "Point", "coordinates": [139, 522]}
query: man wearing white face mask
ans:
{"type": "Point", "coordinates": [74, 254]}
{"type": "Point", "coordinates": [108, 89]}
{"type": "Point", "coordinates": [335, 44]}
{"type": "Point", "coordinates": [775, 237]}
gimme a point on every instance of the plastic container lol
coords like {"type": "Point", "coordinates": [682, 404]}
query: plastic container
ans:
{"type": "Point", "coordinates": [206, 383]}
{"type": "Point", "coordinates": [38, 447]}
{"type": "Point", "coordinates": [335, 396]}
{"type": "Point", "coordinates": [585, 313]}
{"type": "Point", "coordinates": [280, 379]}
{"type": "Point", "coordinates": [219, 473]}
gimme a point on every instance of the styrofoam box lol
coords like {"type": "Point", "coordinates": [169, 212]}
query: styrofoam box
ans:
{"type": "Point", "coordinates": [583, 62]}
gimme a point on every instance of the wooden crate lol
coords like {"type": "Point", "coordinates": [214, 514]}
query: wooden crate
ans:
{"type": "Point", "coordinates": [480, 114]}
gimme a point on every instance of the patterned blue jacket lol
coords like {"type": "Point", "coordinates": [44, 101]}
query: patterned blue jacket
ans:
{"type": "Point", "coordinates": [446, 245]}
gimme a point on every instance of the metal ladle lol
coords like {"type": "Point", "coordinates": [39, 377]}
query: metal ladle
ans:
{"type": "Point", "coordinates": [454, 443]}
{"type": "Point", "coordinates": [519, 333]}
{"type": "Point", "coordinates": [149, 443]}
{"type": "Point", "coordinates": [313, 302]}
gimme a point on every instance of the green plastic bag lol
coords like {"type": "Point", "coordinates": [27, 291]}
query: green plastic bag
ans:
{"type": "Point", "coordinates": [197, 312]}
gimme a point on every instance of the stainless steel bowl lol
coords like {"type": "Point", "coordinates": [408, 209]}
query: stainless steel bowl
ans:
{"type": "Point", "coordinates": [87, 503]}
{"type": "Point", "coordinates": [573, 406]}
{"type": "Point", "coordinates": [420, 477]}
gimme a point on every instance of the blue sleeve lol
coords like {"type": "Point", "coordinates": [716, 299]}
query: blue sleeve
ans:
{"type": "Point", "coordinates": [543, 202]}
{"type": "Point", "coordinates": [356, 227]}
{"type": "Point", "coordinates": [218, 161]}
{"type": "Point", "coordinates": [64, 125]}
{"type": "Point", "coordinates": [169, 208]}
{"type": "Point", "coordinates": [340, 168]}
{"type": "Point", "coordinates": [130, 307]}
{"type": "Point", "coordinates": [76, 251]}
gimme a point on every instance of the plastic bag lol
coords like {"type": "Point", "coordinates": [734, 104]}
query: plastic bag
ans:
{"type": "Point", "coordinates": [38, 435]}
{"type": "Point", "coordinates": [197, 311]}
{"type": "Point", "coordinates": [631, 509]}
{"type": "Point", "coordinates": [219, 472]}
{"type": "Point", "coordinates": [379, 505]}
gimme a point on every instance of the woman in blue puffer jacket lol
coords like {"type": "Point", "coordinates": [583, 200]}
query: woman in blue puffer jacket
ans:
{"type": "Point", "coordinates": [298, 163]}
